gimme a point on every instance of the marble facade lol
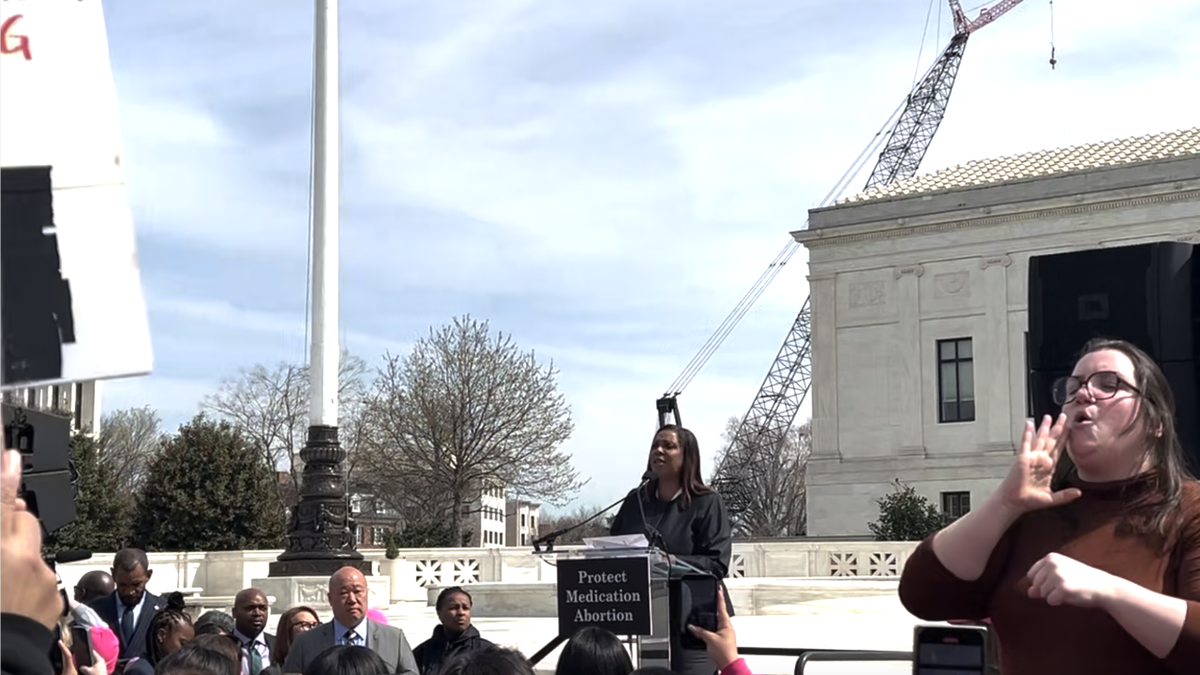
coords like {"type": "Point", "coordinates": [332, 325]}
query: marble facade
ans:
{"type": "Point", "coordinates": [890, 277]}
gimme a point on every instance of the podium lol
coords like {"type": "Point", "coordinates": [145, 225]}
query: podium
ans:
{"type": "Point", "coordinates": [627, 591]}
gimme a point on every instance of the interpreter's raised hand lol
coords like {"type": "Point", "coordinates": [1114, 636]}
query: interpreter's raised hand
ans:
{"type": "Point", "coordinates": [721, 645]}
{"type": "Point", "coordinates": [27, 584]}
{"type": "Point", "coordinates": [1027, 486]}
{"type": "Point", "coordinates": [1060, 580]}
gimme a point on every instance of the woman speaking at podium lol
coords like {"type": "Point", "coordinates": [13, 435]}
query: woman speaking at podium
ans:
{"type": "Point", "coordinates": [682, 516]}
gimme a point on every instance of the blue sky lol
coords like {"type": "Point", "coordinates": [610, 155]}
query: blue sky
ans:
{"type": "Point", "coordinates": [601, 180]}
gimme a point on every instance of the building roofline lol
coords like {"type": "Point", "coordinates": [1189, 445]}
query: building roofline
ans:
{"type": "Point", "coordinates": [1106, 183]}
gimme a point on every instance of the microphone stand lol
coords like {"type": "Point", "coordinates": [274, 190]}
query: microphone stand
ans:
{"type": "Point", "coordinates": [549, 538]}
{"type": "Point", "coordinates": [652, 534]}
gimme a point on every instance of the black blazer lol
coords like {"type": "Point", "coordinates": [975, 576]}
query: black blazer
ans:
{"type": "Point", "coordinates": [106, 607]}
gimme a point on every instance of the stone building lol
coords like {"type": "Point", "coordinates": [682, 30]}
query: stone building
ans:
{"type": "Point", "coordinates": [521, 518]}
{"type": "Point", "coordinates": [919, 310]}
{"type": "Point", "coordinates": [80, 400]}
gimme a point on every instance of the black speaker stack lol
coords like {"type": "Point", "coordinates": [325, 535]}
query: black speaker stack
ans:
{"type": "Point", "coordinates": [48, 476]}
{"type": "Point", "coordinates": [1148, 295]}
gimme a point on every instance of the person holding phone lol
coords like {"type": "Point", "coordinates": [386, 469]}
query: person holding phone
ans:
{"type": "Point", "coordinates": [1088, 560]}
{"type": "Point", "coordinates": [682, 516]}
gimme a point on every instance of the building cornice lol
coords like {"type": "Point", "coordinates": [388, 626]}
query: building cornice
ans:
{"type": "Point", "coordinates": [902, 227]}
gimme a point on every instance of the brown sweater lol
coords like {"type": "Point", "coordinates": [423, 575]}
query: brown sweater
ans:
{"type": "Point", "coordinates": [1040, 639]}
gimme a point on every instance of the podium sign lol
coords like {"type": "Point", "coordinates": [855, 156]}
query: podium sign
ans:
{"type": "Point", "coordinates": [610, 593]}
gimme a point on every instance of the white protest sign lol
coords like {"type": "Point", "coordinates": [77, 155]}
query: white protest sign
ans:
{"type": "Point", "coordinates": [60, 120]}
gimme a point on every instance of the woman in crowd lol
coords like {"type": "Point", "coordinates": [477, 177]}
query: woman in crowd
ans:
{"type": "Point", "coordinates": [454, 634]}
{"type": "Point", "coordinates": [292, 622]}
{"type": "Point", "coordinates": [196, 659]}
{"type": "Point", "coordinates": [594, 651]}
{"type": "Point", "coordinates": [215, 622]}
{"type": "Point", "coordinates": [170, 629]}
{"type": "Point", "coordinates": [682, 516]}
{"type": "Point", "coordinates": [228, 646]}
{"type": "Point", "coordinates": [347, 660]}
{"type": "Point", "coordinates": [1088, 560]}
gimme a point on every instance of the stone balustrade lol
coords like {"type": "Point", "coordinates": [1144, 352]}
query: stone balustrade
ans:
{"type": "Point", "coordinates": [220, 575]}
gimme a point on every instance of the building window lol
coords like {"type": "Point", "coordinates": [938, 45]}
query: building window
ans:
{"type": "Point", "coordinates": [956, 504]}
{"type": "Point", "coordinates": [956, 381]}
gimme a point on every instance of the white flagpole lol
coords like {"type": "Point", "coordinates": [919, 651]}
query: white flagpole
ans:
{"type": "Point", "coordinates": [325, 354]}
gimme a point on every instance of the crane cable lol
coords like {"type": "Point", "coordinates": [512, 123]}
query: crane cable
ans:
{"type": "Point", "coordinates": [734, 318]}
{"type": "Point", "coordinates": [1053, 60]}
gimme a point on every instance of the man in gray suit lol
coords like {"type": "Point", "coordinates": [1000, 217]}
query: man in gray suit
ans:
{"type": "Point", "coordinates": [350, 626]}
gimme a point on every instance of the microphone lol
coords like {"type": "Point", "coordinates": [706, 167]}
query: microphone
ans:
{"type": "Point", "coordinates": [65, 557]}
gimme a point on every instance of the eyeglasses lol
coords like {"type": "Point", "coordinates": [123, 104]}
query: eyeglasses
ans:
{"type": "Point", "coordinates": [305, 625]}
{"type": "Point", "coordinates": [1102, 386]}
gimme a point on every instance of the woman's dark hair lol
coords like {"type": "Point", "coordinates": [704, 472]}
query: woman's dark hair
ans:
{"type": "Point", "coordinates": [448, 593]}
{"type": "Point", "coordinates": [195, 659]}
{"type": "Point", "coordinates": [594, 651]}
{"type": "Point", "coordinates": [166, 619]}
{"type": "Point", "coordinates": [689, 480]}
{"type": "Point", "coordinates": [1154, 518]}
{"type": "Point", "coordinates": [227, 645]}
{"type": "Point", "coordinates": [346, 660]}
{"type": "Point", "coordinates": [490, 660]}
{"type": "Point", "coordinates": [214, 622]}
{"type": "Point", "coordinates": [283, 632]}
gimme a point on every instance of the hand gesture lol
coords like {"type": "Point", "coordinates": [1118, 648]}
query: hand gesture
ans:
{"type": "Point", "coordinates": [1060, 580]}
{"type": "Point", "coordinates": [1027, 486]}
{"type": "Point", "coordinates": [29, 587]}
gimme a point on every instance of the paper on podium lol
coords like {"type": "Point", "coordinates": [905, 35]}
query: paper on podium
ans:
{"type": "Point", "coordinates": [619, 541]}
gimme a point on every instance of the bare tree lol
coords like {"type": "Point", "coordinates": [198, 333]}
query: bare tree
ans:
{"type": "Point", "coordinates": [776, 505]}
{"type": "Point", "coordinates": [463, 412]}
{"type": "Point", "coordinates": [270, 406]}
{"type": "Point", "coordinates": [128, 440]}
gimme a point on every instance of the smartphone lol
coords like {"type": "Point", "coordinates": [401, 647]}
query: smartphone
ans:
{"type": "Point", "coordinates": [697, 607]}
{"type": "Point", "coordinates": [950, 650]}
{"type": "Point", "coordinates": [81, 646]}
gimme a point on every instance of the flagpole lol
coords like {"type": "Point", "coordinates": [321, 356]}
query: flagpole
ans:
{"type": "Point", "coordinates": [321, 535]}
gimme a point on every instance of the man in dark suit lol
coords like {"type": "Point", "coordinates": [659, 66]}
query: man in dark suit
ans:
{"type": "Point", "coordinates": [250, 618]}
{"type": "Point", "coordinates": [128, 610]}
{"type": "Point", "coordinates": [350, 626]}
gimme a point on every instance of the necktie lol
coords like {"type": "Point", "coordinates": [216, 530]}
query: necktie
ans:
{"type": "Point", "coordinates": [350, 638]}
{"type": "Point", "coordinates": [127, 625]}
{"type": "Point", "coordinates": [255, 658]}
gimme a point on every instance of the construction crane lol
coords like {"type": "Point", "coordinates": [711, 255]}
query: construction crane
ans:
{"type": "Point", "coordinates": [773, 411]}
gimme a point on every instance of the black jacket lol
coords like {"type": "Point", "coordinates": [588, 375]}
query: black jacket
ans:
{"type": "Point", "coordinates": [25, 646]}
{"type": "Point", "coordinates": [437, 650]}
{"type": "Point", "coordinates": [106, 607]}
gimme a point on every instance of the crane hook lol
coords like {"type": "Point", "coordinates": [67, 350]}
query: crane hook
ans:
{"type": "Point", "coordinates": [1053, 61]}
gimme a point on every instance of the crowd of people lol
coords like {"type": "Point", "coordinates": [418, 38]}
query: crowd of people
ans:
{"type": "Point", "coordinates": [1085, 559]}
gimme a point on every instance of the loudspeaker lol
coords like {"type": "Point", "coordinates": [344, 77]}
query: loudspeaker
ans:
{"type": "Point", "coordinates": [1147, 295]}
{"type": "Point", "coordinates": [47, 476]}
{"type": "Point", "coordinates": [1142, 294]}
{"type": "Point", "coordinates": [44, 440]}
{"type": "Point", "coordinates": [50, 497]}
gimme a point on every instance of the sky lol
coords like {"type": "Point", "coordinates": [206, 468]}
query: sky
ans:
{"type": "Point", "coordinates": [603, 181]}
